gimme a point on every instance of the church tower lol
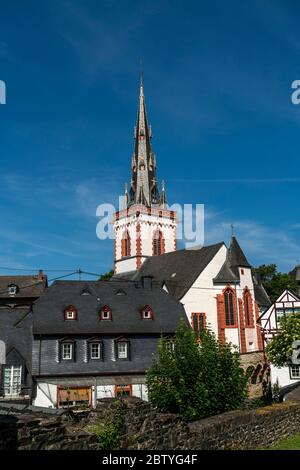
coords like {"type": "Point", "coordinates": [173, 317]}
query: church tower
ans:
{"type": "Point", "coordinates": [145, 227]}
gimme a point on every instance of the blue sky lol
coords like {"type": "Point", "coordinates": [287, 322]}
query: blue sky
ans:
{"type": "Point", "coordinates": [217, 81]}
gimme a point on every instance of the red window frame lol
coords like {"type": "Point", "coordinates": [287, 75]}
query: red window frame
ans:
{"type": "Point", "coordinates": [230, 308]}
{"type": "Point", "coordinates": [158, 244]}
{"type": "Point", "coordinates": [198, 322]}
{"type": "Point", "coordinates": [126, 244]}
{"type": "Point", "coordinates": [104, 311]}
{"type": "Point", "coordinates": [70, 308]}
{"type": "Point", "coordinates": [147, 308]}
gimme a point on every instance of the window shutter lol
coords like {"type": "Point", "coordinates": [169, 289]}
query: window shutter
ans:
{"type": "Point", "coordinates": [86, 352]}
{"type": "Point", "coordinates": [57, 351]}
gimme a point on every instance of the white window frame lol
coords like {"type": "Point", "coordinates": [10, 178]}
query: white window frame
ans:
{"type": "Point", "coordinates": [105, 315]}
{"type": "Point", "coordinates": [294, 374]}
{"type": "Point", "coordinates": [122, 348]}
{"type": "Point", "coordinates": [147, 314]}
{"type": "Point", "coordinates": [67, 357]}
{"type": "Point", "coordinates": [70, 315]}
{"type": "Point", "coordinates": [99, 352]}
{"type": "Point", "coordinates": [12, 370]}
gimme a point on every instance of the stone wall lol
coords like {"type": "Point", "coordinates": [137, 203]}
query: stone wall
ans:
{"type": "Point", "coordinates": [29, 432]}
{"type": "Point", "coordinates": [146, 429]}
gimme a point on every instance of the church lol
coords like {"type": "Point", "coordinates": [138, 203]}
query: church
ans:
{"type": "Point", "coordinates": [216, 284]}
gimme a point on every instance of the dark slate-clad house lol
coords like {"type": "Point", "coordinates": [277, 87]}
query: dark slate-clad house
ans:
{"type": "Point", "coordinates": [95, 339]}
{"type": "Point", "coordinates": [17, 294]}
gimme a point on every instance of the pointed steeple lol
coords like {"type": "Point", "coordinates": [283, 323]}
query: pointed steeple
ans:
{"type": "Point", "coordinates": [236, 256]}
{"type": "Point", "coordinates": [163, 194]}
{"type": "Point", "coordinates": [144, 186]}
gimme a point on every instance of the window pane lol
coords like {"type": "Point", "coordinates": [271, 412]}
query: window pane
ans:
{"type": "Point", "coordinates": [67, 351]}
{"type": "Point", "coordinates": [95, 351]}
{"type": "Point", "coordinates": [122, 350]}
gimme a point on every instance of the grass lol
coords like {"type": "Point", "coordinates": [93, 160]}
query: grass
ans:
{"type": "Point", "coordinates": [290, 443]}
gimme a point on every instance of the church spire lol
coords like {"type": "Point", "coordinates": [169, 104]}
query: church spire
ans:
{"type": "Point", "coordinates": [144, 185]}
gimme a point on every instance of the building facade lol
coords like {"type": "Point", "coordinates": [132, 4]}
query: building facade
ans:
{"type": "Point", "coordinates": [97, 339]}
{"type": "Point", "coordinates": [17, 294]}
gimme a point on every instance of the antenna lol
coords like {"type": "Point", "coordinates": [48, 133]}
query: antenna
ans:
{"type": "Point", "coordinates": [232, 230]}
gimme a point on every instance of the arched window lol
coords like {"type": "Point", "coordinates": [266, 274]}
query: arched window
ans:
{"type": "Point", "coordinates": [229, 307]}
{"type": "Point", "coordinates": [247, 307]}
{"type": "Point", "coordinates": [126, 245]}
{"type": "Point", "coordinates": [158, 243]}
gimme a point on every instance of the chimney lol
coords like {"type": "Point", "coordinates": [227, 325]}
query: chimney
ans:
{"type": "Point", "coordinates": [40, 275]}
{"type": "Point", "coordinates": [146, 282]}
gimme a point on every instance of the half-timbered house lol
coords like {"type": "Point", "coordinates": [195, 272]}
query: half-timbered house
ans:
{"type": "Point", "coordinates": [287, 303]}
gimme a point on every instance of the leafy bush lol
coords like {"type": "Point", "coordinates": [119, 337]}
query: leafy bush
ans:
{"type": "Point", "coordinates": [196, 379]}
{"type": "Point", "coordinates": [109, 433]}
{"type": "Point", "coordinates": [280, 348]}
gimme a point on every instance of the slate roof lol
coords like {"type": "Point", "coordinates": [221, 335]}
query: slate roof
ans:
{"type": "Point", "coordinates": [28, 286]}
{"type": "Point", "coordinates": [260, 294]}
{"type": "Point", "coordinates": [236, 255]}
{"type": "Point", "coordinates": [178, 270]}
{"type": "Point", "coordinates": [49, 309]}
{"type": "Point", "coordinates": [235, 259]}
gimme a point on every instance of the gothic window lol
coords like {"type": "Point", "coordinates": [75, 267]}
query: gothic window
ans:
{"type": "Point", "coordinates": [247, 307]}
{"type": "Point", "coordinates": [198, 323]}
{"type": "Point", "coordinates": [126, 245]}
{"type": "Point", "coordinates": [158, 244]}
{"type": "Point", "coordinates": [229, 307]}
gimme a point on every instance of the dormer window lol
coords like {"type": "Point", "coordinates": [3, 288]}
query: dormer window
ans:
{"type": "Point", "coordinates": [147, 313]}
{"type": "Point", "coordinates": [12, 289]}
{"type": "Point", "coordinates": [85, 292]}
{"type": "Point", "coordinates": [70, 313]}
{"type": "Point", "coordinates": [105, 313]}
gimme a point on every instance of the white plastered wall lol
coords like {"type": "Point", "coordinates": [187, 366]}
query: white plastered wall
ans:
{"type": "Point", "coordinates": [46, 395]}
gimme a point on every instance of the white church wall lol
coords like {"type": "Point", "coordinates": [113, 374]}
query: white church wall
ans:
{"type": "Point", "coordinates": [201, 297]}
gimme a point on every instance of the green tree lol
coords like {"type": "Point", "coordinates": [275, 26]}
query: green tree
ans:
{"type": "Point", "coordinates": [106, 276]}
{"type": "Point", "coordinates": [275, 282]}
{"type": "Point", "coordinates": [196, 379]}
{"type": "Point", "coordinates": [279, 349]}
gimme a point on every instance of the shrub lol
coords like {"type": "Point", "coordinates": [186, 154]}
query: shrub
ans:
{"type": "Point", "coordinates": [196, 379]}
